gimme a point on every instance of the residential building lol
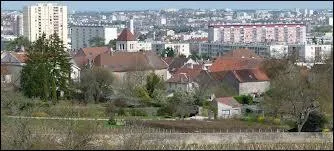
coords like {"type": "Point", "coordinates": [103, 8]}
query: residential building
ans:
{"type": "Point", "coordinates": [178, 62]}
{"type": "Point", "coordinates": [18, 25]}
{"type": "Point", "coordinates": [247, 81]}
{"type": "Point", "coordinates": [81, 35]}
{"type": "Point", "coordinates": [179, 48]}
{"type": "Point", "coordinates": [181, 82]}
{"type": "Point", "coordinates": [143, 45]}
{"type": "Point", "coordinates": [258, 33]}
{"type": "Point", "coordinates": [227, 107]}
{"type": "Point", "coordinates": [311, 52]}
{"type": "Point", "coordinates": [13, 63]}
{"type": "Point", "coordinates": [219, 49]}
{"type": "Point", "coordinates": [330, 21]}
{"type": "Point", "coordinates": [48, 18]}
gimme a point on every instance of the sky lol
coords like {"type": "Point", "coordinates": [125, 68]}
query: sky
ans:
{"type": "Point", "coordinates": [144, 5]}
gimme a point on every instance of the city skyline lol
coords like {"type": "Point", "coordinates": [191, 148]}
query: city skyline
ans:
{"type": "Point", "coordinates": [156, 5]}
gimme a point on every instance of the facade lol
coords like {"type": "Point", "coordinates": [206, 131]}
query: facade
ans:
{"type": "Point", "coordinates": [311, 53]}
{"type": "Point", "coordinates": [143, 45]}
{"type": "Point", "coordinates": [247, 81]}
{"type": "Point", "coordinates": [258, 33]}
{"type": "Point", "coordinates": [227, 107]}
{"type": "Point", "coordinates": [45, 18]}
{"type": "Point", "coordinates": [179, 48]}
{"type": "Point", "coordinates": [80, 35]}
{"type": "Point", "coordinates": [219, 49]}
{"type": "Point", "coordinates": [181, 82]}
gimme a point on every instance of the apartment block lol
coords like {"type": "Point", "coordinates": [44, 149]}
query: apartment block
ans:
{"type": "Point", "coordinates": [48, 18]}
{"type": "Point", "coordinates": [80, 35]}
{"type": "Point", "coordinates": [258, 33]}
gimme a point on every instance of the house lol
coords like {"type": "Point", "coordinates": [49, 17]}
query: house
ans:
{"type": "Point", "coordinates": [179, 62]}
{"type": "Point", "coordinates": [227, 107]}
{"type": "Point", "coordinates": [85, 55]}
{"type": "Point", "coordinates": [181, 82]}
{"type": "Point", "coordinates": [125, 64]}
{"type": "Point", "coordinates": [188, 79]}
{"type": "Point", "coordinates": [13, 62]}
{"type": "Point", "coordinates": [247, 81]}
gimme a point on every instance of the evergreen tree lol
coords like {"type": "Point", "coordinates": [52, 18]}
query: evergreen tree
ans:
{"type": "Point", "coordinates": [47, 69]}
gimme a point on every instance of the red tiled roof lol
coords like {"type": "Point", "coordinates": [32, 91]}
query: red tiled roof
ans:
{"type": "Point", "coordinates": [230, 101]}
{"type": "Point", "coordinates": [250, 75]}
{"type": "Point", "coordinates": [191, 73]}
{"type": "Point", "coordinates": [236, 59]}
{"type": "Point", "coordinates": [130, 61]}
{"type": "Point", "coordinates": [179, 78]}
{"type": "Point", "coordinates": [126, 35]}
{"type": "Point", "coordinates": [234, 64]}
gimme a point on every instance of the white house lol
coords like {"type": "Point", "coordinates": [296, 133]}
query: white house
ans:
{"type": "Point", "coordinates": [227, 107]}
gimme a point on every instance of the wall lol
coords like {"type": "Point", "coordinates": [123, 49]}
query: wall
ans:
{"type": "Point", "coordinates": [253, 87]}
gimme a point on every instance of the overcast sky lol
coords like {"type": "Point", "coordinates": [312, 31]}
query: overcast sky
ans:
{"type": "Point", "coordinates": [143, 5]}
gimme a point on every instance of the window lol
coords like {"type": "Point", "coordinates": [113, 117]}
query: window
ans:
{"type": "Point", "coordinates": [226, 112]}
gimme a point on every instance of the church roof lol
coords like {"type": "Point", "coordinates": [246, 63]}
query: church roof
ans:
{"type": "Point", "coordinates": [126, 35]}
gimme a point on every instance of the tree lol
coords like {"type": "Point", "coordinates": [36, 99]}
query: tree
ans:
{"type": "Point", "coordinates": [18, 43]}
{"type": "Point", "coordinates": [47, 70]}
{"type": "Point", "coordinates": [169, 51]}
{"type": "Point", "coordinates": [180, 104]}
{"type": "Point", "coordinates": [314, 40]}
{"type": "Point", "coordinates": [112, 44]}
{"type": "Point", "coordinates": [153, 82]}
{"type": "Point", "coordinates": [96, 42]}
{"type": "Point", "coordinates": [294, 92]}
{"type": "Point", "coordinates": [99, 85]}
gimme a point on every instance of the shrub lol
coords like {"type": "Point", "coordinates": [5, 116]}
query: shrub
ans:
{"type": "Point", "coordinates": [244, 99]}
{"type": "Point", "coordinates": [260, 119]}
{"type": "Point", "coordinates": [137, 112]}
{"type": "Point", "coordinates": [277, 121]}
{"type": "Point", "coordinates": [112, 121]}
{"type": "Point", "coordinates": [121, 112]}
{"type": "Point", "coordinates": [39, 114]}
